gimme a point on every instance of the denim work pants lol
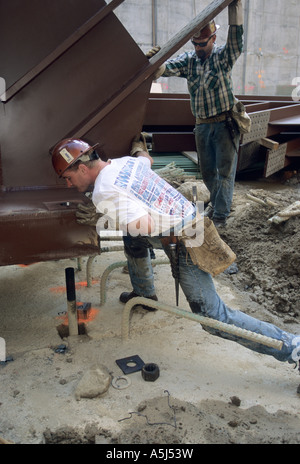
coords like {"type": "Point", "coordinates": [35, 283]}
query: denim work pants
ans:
{"type": "Point", "coordinates": [199, 290]}
{"type": "Point", "coordinates": [217, 157]}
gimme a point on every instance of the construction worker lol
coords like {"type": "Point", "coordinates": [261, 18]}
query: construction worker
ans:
{"type": "Point", "coordinates": [150, 212]}
{"type": "Point", "coordinates": [207, 70]}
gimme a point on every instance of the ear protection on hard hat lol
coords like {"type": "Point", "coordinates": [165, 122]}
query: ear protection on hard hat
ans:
{"type": "Point", "coordinates": [68, 151]}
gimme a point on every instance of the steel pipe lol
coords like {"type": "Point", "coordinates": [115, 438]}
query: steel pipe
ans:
{"type": "Point", "coordinates": [71, 301]}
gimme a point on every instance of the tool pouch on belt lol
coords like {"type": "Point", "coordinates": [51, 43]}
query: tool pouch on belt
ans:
{"type": "Point", "coordinates": [242, 119]}
{"type": "Point", "coordinates": [207, 250]}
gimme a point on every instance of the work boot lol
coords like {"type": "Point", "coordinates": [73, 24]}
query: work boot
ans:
{"type": "Point", "coordinates": [218, 222]}
{"type": "Point", "coordinates": [126, 296]}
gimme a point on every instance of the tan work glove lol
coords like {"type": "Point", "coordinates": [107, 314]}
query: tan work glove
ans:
{"type": "Point", "coordinates": [138, 144]}
{"type": "Point", "coordinates": [235, 13]}
{"type": "Point", "coordinates": [159, 72]}
{"type": "Point", "coordinates": [152, 51]}
{"type": "Point", "coordinates": [87, 214]}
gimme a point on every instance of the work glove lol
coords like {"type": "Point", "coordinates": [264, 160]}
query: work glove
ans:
{"type": "Point", "coordinates": [87, 214]}
{"type": "Point", "coordinates": [235, 13]}
{"type": "Point", "coordinates": [152, 51]}
{"type": "Point", "coordinates": [138, 144]}
{"type": "Point", "coordinates": [159, 72]}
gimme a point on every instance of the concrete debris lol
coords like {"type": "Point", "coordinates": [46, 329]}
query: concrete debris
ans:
{"type": "Point", "coordinates": [186, 189]}
{"type": "Point", "coordinates": [95, 382]}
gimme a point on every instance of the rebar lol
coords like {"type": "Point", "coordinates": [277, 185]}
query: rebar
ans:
{"type": "Point", "coordinates": [89, 270]}
{"type": "Point", "coordinates": [91, 260]}
{"type": "Point", "coordinates": [206, 321]}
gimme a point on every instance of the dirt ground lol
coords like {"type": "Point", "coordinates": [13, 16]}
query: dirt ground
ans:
{"type": "Point", "coordinates": [209, 390]}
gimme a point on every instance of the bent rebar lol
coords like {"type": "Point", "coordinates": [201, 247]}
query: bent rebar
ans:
{"type": "Point", "coordinates": [203, 320]}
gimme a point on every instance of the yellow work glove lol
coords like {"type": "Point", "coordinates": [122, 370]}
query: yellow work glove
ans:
{"type": "Point", "coordinates": [152, 51]}
{"type": "Point", "coordinates": [159, 72]}
{"type": "Point", "coordinates": [138, 144]}
{"type": "Point", "coordinates": [87, 214]}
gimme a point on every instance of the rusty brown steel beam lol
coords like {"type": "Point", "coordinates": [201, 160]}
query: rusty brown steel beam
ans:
{"type": "Point", "coordinates": [86, 75]}
{"type": "Point", "coordinates": [266, 98]}
{"type": "Point", "coordinates": [177, 109]}
{"type": "Point", "coordinates": [173, 141]}
{"type": "Point", "coordinates": [37, 220]}
{"type": "Point", "coordinates": [252, 107]}
{"type": "Point", "coordinates": [167, 112]}
{"type": "Point", "coordinates": [281, 113]}
{"type": "Point", "coordinates": [145, 74]}
{"type": "Point", "coordinates": [293, 146]}
{"type": "Point", "coordinates": [285, 119]}
{"type": "Point", "coordinates": [67, 90]}
{"type": "Point", "coordinates": [108, 120]}
{"type": "Point", "coordinates": [62, 48]}
{"type": "Point", "coordinates": [43, 227]}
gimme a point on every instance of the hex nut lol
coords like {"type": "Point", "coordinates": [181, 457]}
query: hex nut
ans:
{"type": "Point", "coordinates": [150, 372]}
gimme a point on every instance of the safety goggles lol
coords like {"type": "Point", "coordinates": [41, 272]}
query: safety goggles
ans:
{"type": "Point", "coordinates": [202, 44]}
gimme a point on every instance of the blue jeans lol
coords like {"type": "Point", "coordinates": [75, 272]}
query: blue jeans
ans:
{"type": "Point", "coordinates": [217, 157]}
{"type": "Point", "coordinates": [199, 290]}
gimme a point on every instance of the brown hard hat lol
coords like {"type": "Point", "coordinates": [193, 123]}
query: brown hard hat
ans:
{"type": "Point", "coordinates": [68, 151]}
{"type": "Point", "coordinates": [207, 31]}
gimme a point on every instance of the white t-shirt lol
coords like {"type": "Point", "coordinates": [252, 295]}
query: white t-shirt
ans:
{"type": "Point", "coordinates": [127, 189]}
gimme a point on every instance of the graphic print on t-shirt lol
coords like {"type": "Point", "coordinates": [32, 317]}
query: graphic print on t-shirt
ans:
{"type": "Point", "coordinates": [153, 191]}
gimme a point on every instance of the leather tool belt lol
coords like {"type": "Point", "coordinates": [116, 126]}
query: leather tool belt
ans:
{"type": "Point", "coordinates": [219, 118]}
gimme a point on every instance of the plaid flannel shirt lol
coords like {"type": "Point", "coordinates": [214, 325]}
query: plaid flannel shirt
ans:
{"type": "Point", "coordinates": [209, 83]}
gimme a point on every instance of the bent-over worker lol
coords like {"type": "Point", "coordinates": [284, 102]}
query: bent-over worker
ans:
{"type": "Point", "coordinates": [151, 212]}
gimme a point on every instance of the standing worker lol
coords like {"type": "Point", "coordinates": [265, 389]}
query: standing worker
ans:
{"type": "Point", "coordinates": [149, 211]}
{"type": "Point", "coordinates": [208, 73]}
